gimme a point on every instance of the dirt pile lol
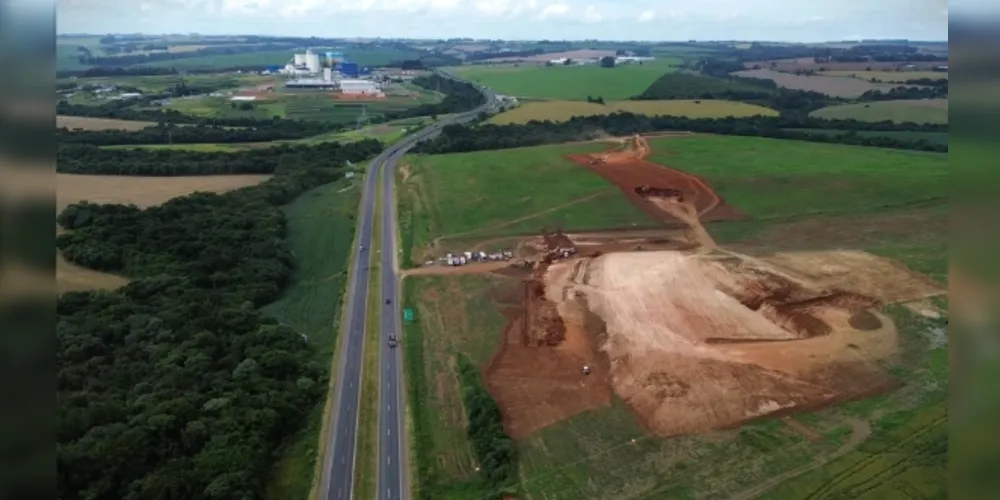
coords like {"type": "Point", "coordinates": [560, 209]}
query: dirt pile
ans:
{"type": "Point", "coordinates": [641, 180]}
{"type": "Point", "coordinates": [694, 342]}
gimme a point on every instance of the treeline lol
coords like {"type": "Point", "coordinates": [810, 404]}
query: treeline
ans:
{"type": "Point", "coordinates": [173, 134]}
{"type": "Point", "coordinates": [901, 92]}
{"type": "Point", "coordinates": [459, 138]}
{"type": "Point", "coordinates": [138, 59]}
{"type": "Point", "coordinates": [458, 97]}
{"type": "Point", "coordinates": [733, 88]}
{"type": "Point", "coordinates": [495, 451]}
{"type": "Point", "coordinates": [928, 82]}
{"type": "Point", "coordinates": [175, 386]}
{"type": "Point", "coordinates": [88, 159]}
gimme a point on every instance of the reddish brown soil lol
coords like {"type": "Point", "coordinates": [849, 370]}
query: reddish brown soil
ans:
{"type": "Point", "coordinates": [628, 170]}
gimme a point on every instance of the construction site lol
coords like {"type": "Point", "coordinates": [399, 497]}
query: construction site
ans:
{"type": "Point", "coordinates": [691, 336]}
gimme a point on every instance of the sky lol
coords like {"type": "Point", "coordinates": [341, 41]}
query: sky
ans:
{"type": "Point", "coordinates": [772, 20]}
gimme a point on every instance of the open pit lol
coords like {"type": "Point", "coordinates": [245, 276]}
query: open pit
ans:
{"type": "Point", "coordinates": [697, 341]}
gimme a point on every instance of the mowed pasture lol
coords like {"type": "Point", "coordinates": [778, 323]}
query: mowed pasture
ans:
{"type": "Point", "coordinates": [569, 82]}
{"type": "Point", "coordinates": [502, 193]}
{"type": "Point", "coordinates": [140, 191]}
{"type": "Point", "coordinates": [85, 123]}
{"type": "Point", "coordinates": [890, 76]}
{"type": "Point", "coordinates": [916, 110]}
{"type": "Point", "coordinates": [564, 110]}
{"type": "Point", "coordinates": [829, 196]}
{"type": "Point", "coordinates": [835, 86]}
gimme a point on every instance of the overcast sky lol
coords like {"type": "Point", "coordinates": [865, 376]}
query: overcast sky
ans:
{"type": "Point", "coordinates": [778, 20]}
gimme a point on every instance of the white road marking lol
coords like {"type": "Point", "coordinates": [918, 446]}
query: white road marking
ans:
{"type": "Point", "coordinates": [388, 460]}
{"type": "Point", "coordinates": [388, 431]}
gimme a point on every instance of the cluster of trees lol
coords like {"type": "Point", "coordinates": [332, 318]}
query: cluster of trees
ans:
{"type": "Point", "coordinates": [89, 159]}
{"type": "Point", "coordinates": [903, 92]}
{"type": "Point", "coordinates": [595, 100]}
{"type": "Point", "coordinates": [928, 82]}
{"type": "Point", "coordinates": [117, 72]}
{"type": "Point", "coordinates": [460, 138]}
{"type": "Point", "coordinates": [458, 97]}
{"type": "Point", "coordinates": [495, 450]}
{"type": "Point", "coordinates": [175, 386]}
{"type": "Point", "coordinates": [146, 58]}
{"type": "Point", "coordinates": [174, 134]}
{"type": "Point", "coordinates": [733, 88]}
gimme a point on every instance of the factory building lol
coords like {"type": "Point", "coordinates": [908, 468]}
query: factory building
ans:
{"type": "Point", "coordinates": [356, 87]}
{"type": "Point", "coordinates": [312, 62]}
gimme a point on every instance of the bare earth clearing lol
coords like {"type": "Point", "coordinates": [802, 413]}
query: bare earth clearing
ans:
{"type": "Point", "coordinates": [140, 191]}
{"type": "Point", "coordinates": [690, 336]}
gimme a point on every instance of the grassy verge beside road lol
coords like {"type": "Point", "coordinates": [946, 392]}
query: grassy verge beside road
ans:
{"type": "Point", "coordinates": [321, 226]}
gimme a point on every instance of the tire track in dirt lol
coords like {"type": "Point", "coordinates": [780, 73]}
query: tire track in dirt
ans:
{"type": "Point", "coordinates": [860, 430]}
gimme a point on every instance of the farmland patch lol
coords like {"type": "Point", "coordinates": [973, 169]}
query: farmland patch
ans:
{"type": "Point", "coordinates": [564, 110]}
{"type": "Point", "coordinates": [79, 122]}
{"type": "Point", "coordinates": [911, 110]}
{"type": "Point", "coordinates": [890, 76]}
{"type": "Point", "coordinates": [829, 85]}
{"type": "Point", "coordinates": [569, 82]}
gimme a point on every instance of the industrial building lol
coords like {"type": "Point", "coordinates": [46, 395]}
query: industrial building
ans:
{"type": "Point", "coordinates": [358, 87]}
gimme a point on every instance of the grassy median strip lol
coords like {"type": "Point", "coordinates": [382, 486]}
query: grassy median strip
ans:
{"type": "Point", "coordinates": [366, 472]}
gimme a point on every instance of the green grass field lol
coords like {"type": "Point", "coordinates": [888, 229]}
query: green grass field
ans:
{"type": "Point", "coordinates": [917, 111]}
{"type": "Point", "coordinates": [159, 83]}
{"type": "Point", "coordinates": [312, 106]}
{"type": "Point", "coordinates": [321, 234]}
{"type": "Point", "coordinates": [931, 137]}
{"type": "Point", "coordinates": [564, 110]}
{"type": "Point", "coordinates": [568, 82]}
{"type": "Point", "coordinates": [506, 192]}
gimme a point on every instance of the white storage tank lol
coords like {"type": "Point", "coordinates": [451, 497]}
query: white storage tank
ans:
{"type": "Point", "coordinates": [312, 62]}
{"type": "Point", "coordinates": [300, 59]}
{"type": "Point", "coordinates": [328, 74]}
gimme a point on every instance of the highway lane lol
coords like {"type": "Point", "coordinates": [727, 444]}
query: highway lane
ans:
{"type": "Point", "coordinates": [337, 474]}
{"type": "Point", "coordinates": [392, 468]}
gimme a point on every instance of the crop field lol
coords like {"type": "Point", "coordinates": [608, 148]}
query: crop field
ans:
{"type": "Point", "coordinates": [321, 234]}
{"type": "Point", "coordinates": [809, 63]}
{"type": "Point", "coordinates": [301, 106]}
{"type": "Point", "coordinates": [140, 191]}
{"type": "Point", "coordinates": [639, 422]}
{"type": "Point", "coordinates": [564, 110]}
{"type": "Point", "coordinates": [829, 85]}
{"type": "Point", "coordinates": [931, 137]}
{"type": "Point", "coordinates": [445, 196]}
{"type": "Point", "coordinates": [890, 76]}
{"type": "Point", "coordinates": [80, 122]}
{"type": "Point", "coordinates": [568, 82]}
{"type": "Point", "coordinates": [159, 83]}
{"type": "Point", "coordinates": [917, 111]}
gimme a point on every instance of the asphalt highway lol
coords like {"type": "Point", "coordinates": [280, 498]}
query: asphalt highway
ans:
{"type": "Point", "coordinates": [337, 480]}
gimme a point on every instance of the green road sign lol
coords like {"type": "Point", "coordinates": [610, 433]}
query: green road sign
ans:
{"type": "Point", "coordinates": [408, 314]}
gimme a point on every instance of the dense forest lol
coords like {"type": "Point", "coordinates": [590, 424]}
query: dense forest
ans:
{"type": "Point", "coordinates": [460, 138]}
{"type": "Point", "coordinates": [88, 159]}
{"type": "Point", "coordinates": [173, 134]}
{"type": "Point", "coordinates": [174, 386]}
{"type": "Point", "coordinates": [458, 96]}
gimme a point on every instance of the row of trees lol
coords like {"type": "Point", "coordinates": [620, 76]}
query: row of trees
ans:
{"type": "Point", "coordinates": [495, 450]}
{"type": "Point", "coordinates": [902, 92]}
{"type": "Point", "coordinates": [146, 58]}
{"type": "Point", "coordinates": [90, 159]}
{"type": "Point", "coordinates": [458, 97]}
{"type": "Point", "coordinates": [460, 138]}
{"type": "Point", "coordinates": [175, 386]}
{"type": "Point", "coordinates": [173, 134]}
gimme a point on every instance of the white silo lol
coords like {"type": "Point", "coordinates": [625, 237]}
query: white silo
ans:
{"type": "Point", "coordinates": [300, 59]}
{"type": "Point", "coordinates": [312, 62]}
{"type": "Point", "coordinates": [328, 74]}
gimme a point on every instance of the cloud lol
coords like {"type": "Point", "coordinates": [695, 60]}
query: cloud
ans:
{"type": "Point", "coordinates": [646, 16]}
